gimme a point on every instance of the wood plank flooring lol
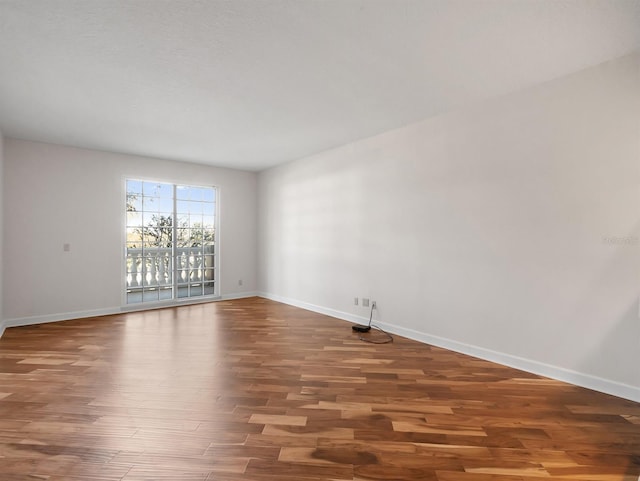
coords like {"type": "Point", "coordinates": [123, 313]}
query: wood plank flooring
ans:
{"type": "Point", "coordinates": [256, 390]}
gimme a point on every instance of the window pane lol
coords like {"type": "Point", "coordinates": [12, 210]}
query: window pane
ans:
{"type": "Point", "coordinates": [134, 218]}
{"type": "Point", "coordinates": [133, 234]}
{"type": "Point", "coordinates": [165, 205]}
{"type": "Point", "coordinates": [182, 206]}
{"type": "Point", "coordinates": [134, 187]}
{"type": "Point", "coordinates": [134, 297]}
{"type": "Point", "coordinates": [165, 191]}
{"type": "Point", "coordinates": [154, 189]}
{"type": "Point", "coordinates": [208, 275]}
{"type": "Point", "coordinates": [134, 202]}
{"type": "Point", "coordinates": [182, 192]}
{"type": "Point", "coordinates": [183, 239]}
{"type": "Point", "coordinates": [150, 204]}
{"type": "Point", "coordinates": [195, 261]}
{"type": "Point", "coordinates": [194, 219]}
{"type": "Point", "coordinates": [183, 220]}
{"type": "Point", "coordinates": [165, 293]}
{"type": "Point", "coordinates": [183, 276]}
{"type": "Point", "coordinates": [208, 221]}
{"type": "Point", "coordinates": [150, 295]}
{"type": "Point", "coordinates": [196, 208]}
{"type": "Point", "coordinates": [197, 193]}
{"type": "Point", "coordinates": [209, 195]}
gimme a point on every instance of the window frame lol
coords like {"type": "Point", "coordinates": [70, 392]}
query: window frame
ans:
{"type": "Point", "coordinates": [175, 299]}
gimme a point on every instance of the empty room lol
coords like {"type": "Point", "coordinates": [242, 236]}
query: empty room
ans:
{"type": "Point", "coordinates": [304, 240]}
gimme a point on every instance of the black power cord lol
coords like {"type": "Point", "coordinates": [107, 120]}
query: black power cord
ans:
{"type": "Point", "coordinates": [367, 328]}
{"type": "Point", "coordinates": [362, 328]}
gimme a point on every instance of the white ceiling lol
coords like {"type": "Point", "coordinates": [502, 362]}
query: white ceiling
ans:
{"type": "Point", "coordinates": [249, 84]}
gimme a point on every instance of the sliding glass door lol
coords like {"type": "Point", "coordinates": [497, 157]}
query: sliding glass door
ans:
{"type": "Point", "coordinates": [170, 241]}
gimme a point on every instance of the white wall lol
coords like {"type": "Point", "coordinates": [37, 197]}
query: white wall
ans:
{"type": "Point", "coordinates": [508, 230]}
{"type": "Point", "coordinates": [55, 195]}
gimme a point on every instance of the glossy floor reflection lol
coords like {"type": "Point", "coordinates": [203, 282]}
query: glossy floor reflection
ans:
{"type": "Point", "coordinates": [256, 390]}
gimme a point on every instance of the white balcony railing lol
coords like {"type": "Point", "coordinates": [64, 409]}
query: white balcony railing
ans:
{"type": "Point", "coordinates": [153, 267]}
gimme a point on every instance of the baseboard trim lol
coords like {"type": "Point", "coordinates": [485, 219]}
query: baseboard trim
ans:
{"type": "Point", "coordinates": [66, 316]}
{"type": "Point", "coordinates": [238, 295]}
{"type": "Point", "coordinates": [62, 316]}
{"type": "Point", "coordinates": [576, 378]}
{"type": "Point", "coordinates": [316, 308]}
{"type": "Point", "coordinates": [535, 367]}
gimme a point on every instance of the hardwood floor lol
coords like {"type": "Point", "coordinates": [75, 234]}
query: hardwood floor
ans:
{"type": "Point", "coordinates": [256, 390]}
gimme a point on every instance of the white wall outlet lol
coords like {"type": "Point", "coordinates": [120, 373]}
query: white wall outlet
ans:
{"type": "Point", "coordinates": [239, 282]}
{"type": "Point", "coordinates": [66, 247]}
{"type": "Point", "coordinates": [355, 301]}
{"type": "Point", "coordinates": [365, 302]}
{"type": "Point", "coordinates": [373, 305]}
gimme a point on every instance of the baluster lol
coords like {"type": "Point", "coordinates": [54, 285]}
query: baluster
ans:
{"type": "Point", "coordinates": [191, 264]}
{"type": "Point", "coordinates": [162, 273]}
{"type": "Point", "coordinates": [208, 263]}
{"type": "Point", "coordinates": [169, 265]}
{"type": "Point", "coordinates": [153, 269]}
{"type": "Point", "coordinates": [134, 270]}
{"type": "Point", "coordinates": [143, 270]}
{"type": "Point", "coordinates": [197, 261]}
{"type": "Point", "coordinates": [184, 262]}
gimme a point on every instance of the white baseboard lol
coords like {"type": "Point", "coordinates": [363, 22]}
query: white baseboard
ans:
{"type": "Point", "coordinates": [66, 316]}
{"type": "Point", "coordinates": [62, 316]}
{"type": "Point", "coordinates": [238, 295]}
{"type": "Point", "coordinates": [315, 308]}
{"type": "Point", "coordinates": [535, 367]}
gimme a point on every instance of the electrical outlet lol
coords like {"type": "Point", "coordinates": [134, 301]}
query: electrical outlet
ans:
{"type": "Point", "coordinates": [373, 305]}
{"type": "Point", "coordinates": [240, 282]}
{"type": "Point", "coordinates": [355, 301]}
{"type": "Point", "coordinates": [365, 302]}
